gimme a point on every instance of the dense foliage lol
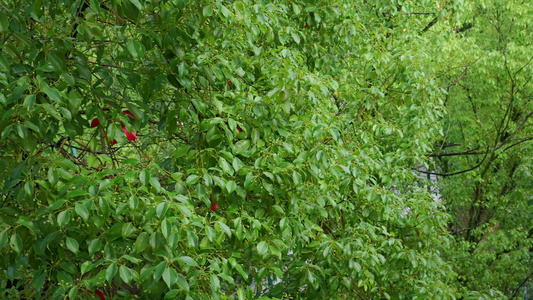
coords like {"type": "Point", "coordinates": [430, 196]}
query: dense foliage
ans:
{"type": "Point", "coordinates": [263, 149]}
{"type": "Point", "coordinates": [485, 156]}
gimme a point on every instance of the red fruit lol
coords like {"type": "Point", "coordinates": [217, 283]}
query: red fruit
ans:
{"type": "Point", "coordinates": [97, 292]}
{"type": "Point", "coordinates": [230, 83]}
{"type": "Point", "coordinates": [113, 142]}
{"type": "Point", "coordinates": [239, 129]}
{"type": "Point", "coordinates": [95, 122]}
{"type": "Point", "coordinates": [214, 206]}
{"type": "Point", "coordinates": [129, 135]}
{"type": "Point", "coordinates": [129, 114]}
{"type": "Point", "coordinates": [306, 26]}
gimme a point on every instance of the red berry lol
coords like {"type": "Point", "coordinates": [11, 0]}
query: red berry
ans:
{"type": "Point", "coordinates": [214, 206]}
{"type": "Point", "coordinates": [129, 135]}
{"type": "Point", "coordinates": [113, 142]}
{"type": "Point", "coordinates": [230, 83]}
{"type": "Point", "coordinates": [239, 129]}
{"type": "Point", "coordinates": [95, 123]}
{"type": "Point", "coordinates": [97, 292]}
{"type": "Point", "coordinates": [129, 114]}
{"type": "Point", "coordinates": [306, 25]}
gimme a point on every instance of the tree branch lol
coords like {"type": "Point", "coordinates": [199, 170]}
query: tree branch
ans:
{"type": "Point", "coordinates": [456, 80]}
{"type": "Point", "coordinates": [460, 172]}
{"type": "Point", "coordinates": [515, 132]}
{"type": "Point", "coordinates": [521, 285]}
{"type": "Point", "coordinates": [433, 22]}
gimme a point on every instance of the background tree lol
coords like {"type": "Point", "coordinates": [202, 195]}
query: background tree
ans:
{"type": "Point", "coordinates": [486, 153]}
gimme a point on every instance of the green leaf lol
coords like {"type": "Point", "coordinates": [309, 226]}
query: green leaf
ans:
{"type": "Point", "coordinates": [154, 182]}
{"type": "Point", "coordinates": [4, 23]}
{"type": "Point", "coordinates": [3, 239]}
{"type": "Point", "coordinates": [86, 267]}
{"type": "Point", "coordinates": [231, 186]}
{"type": "Point", "coordinates": [53, 94]}
{"type": "Point", "coordinates": [144, 177]}
{"type": "Point", "coordinates": [82, 211]}
{"type": "Point", "coordinates": [29, 101]}
{"type": "Point", "coordinates": [161, 209]}
{"type": "Point", "coordinates": [242, 146]}
{"type": "Point", "coordinates": [166, 228]}
{"type": "Point", "coordinates": [241, 271]}
{"type": "Point", "coordinates": [172, 294]}
{"type": "Point", "coordinates": [53, 177]}
{"type": "Point", "coordinates": [137, 4]}
{"type": "Point", "coordinates": [69, 267]}
{"type": "Point", "coordinates": [125, 274]}
{"type": "Point", "coordinates": [16, 242]}
{"type": "Point", "coordinates": [136, 49]}
{"type": "Point", "coordinates": [127, 230]}
{"type": "Point", "coordinates": [187, 260]}
{"type": "Point", "coordinates": [215, 283]}
{"type": "Point", "coordinates": [207, 11]}
{"type": "Point", "coordinates": [225, 166]}
{"type": "Point", "coordinates": [185, 211]}
{"type": "Point", "coordinates": [295, 37]}
{"type": "Point", "coordinates": [248, 181]}
{"type": "Point", "coordinates": [142, 242]}
{"type": "Point", "coordinates": [182, 282]}
{"type": "Point", "coordinates": [159, 269]}
{"type": "Point", "coordinates": [296, 178]}
{"type": "Point", "coordinates": [94, 245]}
{"type": "Point", "coordinates": [131, 161]}
{"type": "Point", "coordinates": [131, 259]}
{"type": "Point", "coordinates": [296, 9]}
{"type": "Point", "coordinates": [63, 218]}
{"type": "Point", "coordinates": [170, 276]}
{"type": "Point", "coordinates": [110, 272]}
{"type": "Point", "coordinates": [73, 293]}
{"type": "Point", "coordinates": [181, 151]}
{"type": "Point", "coordinates": [240, 294]}
{"type": "Point", "coordinates": [28, 224]}
{"type": "Point", "coordinates": [225, 11]}
{"type": "Point", "coordinates": [224, 228]}
{"type": "Point", "coordinates": [76, 193]}
{"type": "Point", "coordinates": [262, 248]}
{"type": "Point", "coordinates": [192, 179]}
{"type": "Point", "coordinates": [73, 245]}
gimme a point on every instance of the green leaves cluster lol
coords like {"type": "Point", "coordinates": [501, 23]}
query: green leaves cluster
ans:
{"type": "Point", "coordinates": [275, 143]}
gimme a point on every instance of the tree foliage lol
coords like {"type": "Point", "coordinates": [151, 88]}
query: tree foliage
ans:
{"type": "Point", "coordinates": [246, 149]}
{"type": "Point", "coordinates": [486, 146]}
